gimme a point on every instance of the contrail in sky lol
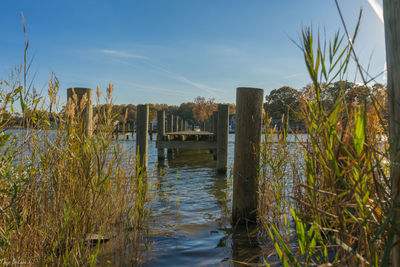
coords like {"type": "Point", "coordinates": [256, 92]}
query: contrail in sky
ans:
{"type": "Point", "coordinates": [377, 8]}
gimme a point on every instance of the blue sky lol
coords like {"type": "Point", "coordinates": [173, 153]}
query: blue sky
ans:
{"type": "Point", "coordinates": [170, 51]}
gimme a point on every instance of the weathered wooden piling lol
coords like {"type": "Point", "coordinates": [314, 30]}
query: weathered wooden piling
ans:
{"type": "Point", "coordinates": [210, 124]}
{"type": "Point", "coordinates": [142, 127]}
{"type": "Point", "coordinates": [160, 132]}
{"type": "Point", "coordinates": [215, 130]}
{"type": "Point", "coordinates": [170, 129]}
{"type": "Point", "coordinates": [249, 102]}
{"type": "Point", "coordinates": [176, 123]}
{"type": "Point", "coordinates": [215, 122]}
{"type": "Point", "coordinates": [181, 125]}
{"type": "Point", "coordinates": [222, 138]}
{"type": "Point", "coordinates": [87, 113]}
{"type": "Point", "coordinates": [170, 125]}
{"type": "Point", "coordinates": [151, 131]}
{"type": "Point", "coordinates": [391, 13]}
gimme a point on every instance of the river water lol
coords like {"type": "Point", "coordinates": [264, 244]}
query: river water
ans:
{"type": "Point", "coordinates": [191, 212]}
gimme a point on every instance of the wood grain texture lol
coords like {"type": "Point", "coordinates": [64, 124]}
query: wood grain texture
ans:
{"type": "Point", "coordinates": [247, 157]}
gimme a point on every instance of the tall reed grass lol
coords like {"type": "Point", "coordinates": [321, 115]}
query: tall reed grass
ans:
{"type": "Point", "coordinates": [62, 194]}
{"type": "Point", "coordinates": [338, 210]}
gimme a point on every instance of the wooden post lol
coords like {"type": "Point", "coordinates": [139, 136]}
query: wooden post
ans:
{"type": "Point", "coordinates": [249, 102]}
{"type": "Point", "coordinates": [151, 131]}
{"type": "Point", "coordinates": [391, 13]}
{"type": "Point", "coordinates": [215, 130]}
{"type": "Point", "coordinates": [142, 127]}
{"type": "Point", "coordinates": [87, 113]}
{"type": "Point", "coordinates": [210, 124]}
{"type": "Point", "coordinates": [160, 132]}
{"type": "Point", "coordinates": [215, 122]}
{"type": "Point", "coordinates": [222, 143]}
{"type": "Point", "coordinates": [170, 127]}
{"type": "Point", "coordinates": [176, 121]}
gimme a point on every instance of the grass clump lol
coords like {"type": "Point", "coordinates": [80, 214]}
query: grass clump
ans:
{"type": "Point", "coordinates": [63, 192]}
{"type": "Point", "coordinates": [339, 211]}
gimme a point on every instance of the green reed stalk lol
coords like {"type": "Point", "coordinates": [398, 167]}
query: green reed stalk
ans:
{"type": "Point", "coordinates": [341, 209]}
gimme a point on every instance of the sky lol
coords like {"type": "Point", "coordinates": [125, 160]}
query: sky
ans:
{"type": "Point", "coordinates": [171, 51]}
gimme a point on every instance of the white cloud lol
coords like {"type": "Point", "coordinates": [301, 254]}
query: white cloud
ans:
{"type": "Point", "coordinates": [178, 77]}
{"type": "Point", "coordinates": [121, 54]}
{"type": "Point", "coordinates": [183, 79]}
{"type": "Point", "coordinates": [155, 89]}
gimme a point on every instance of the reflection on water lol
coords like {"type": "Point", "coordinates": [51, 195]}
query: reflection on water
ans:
{"type": "Point", "coordinates": [190, 220]}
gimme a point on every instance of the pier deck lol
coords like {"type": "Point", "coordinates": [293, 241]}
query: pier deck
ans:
{"type": "Point", "coordinates": [188, 140]}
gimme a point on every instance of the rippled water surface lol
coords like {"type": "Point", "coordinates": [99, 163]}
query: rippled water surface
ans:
{"type": "Point", "coordinates": [190, 219]}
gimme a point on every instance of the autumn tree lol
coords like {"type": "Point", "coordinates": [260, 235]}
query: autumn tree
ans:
{"type": "Point", "coordinates": [203, 108]}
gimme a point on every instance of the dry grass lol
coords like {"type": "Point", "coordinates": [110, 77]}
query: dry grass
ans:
{"type": "Point", "coordinates": [59, 187]}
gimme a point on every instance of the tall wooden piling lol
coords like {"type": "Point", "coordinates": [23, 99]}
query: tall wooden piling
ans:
{"type": "Point", "coordinates": [391, 13]}
{"type": "Point", "coordinates": [181, 124]}
{"type": "Point", "coordinates": [142, 127]}
{"type": "Point", "coordinates": [211, 122]}
{"type": "Point", "coordinates": [151, 131]}
{"type": "Point", "coordinates": [176, 122]}
{"type": "Point", "coordinates": [249, 102]}
{"type": "Point", "coordinates": [215, 130]}
{"type": "Point", "coordinates": [170, 125]}
{"type": "Point", "coordinates": [222, 138]}
{"type": "Point", "coordinates": [215, 122]}
{"type": "Point", "coordinates": [160, 132]}
{"type": "Point", "coordinates": [87, 113]}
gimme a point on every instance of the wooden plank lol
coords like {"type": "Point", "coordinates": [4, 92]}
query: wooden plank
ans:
{"type": "Point", "coordinates": [190, 133]}
{"type": "Point", "coordinates": [186, 144]}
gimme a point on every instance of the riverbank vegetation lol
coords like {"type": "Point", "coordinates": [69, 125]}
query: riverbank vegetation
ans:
{"type": "Point", "coordinates": [62, 192]}
{"type": "Point", "coordinates": [335, 208]}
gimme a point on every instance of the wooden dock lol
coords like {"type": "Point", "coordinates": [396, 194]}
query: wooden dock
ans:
{"type": "Point", "coordinates": [215, 140]}
{"type": "Point", "coordinates": [188, 140]}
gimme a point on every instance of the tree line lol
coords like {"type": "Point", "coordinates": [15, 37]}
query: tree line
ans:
{"type": "Point", "coordinates": [284, 104]}
{"type": "Point", "coordinates": [195, 112]}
